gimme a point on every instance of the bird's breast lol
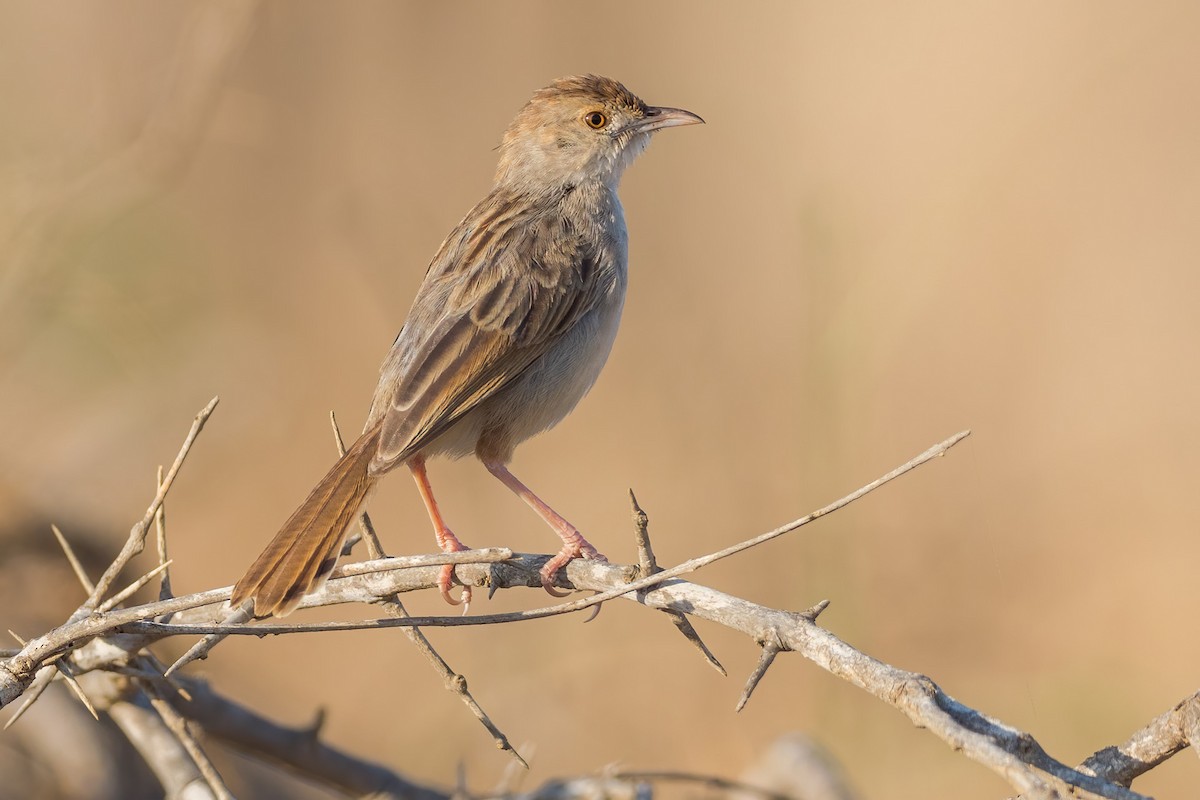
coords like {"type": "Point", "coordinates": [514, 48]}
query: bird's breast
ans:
{"type": "Point", "coordinates": [545, 392]}
{"type": "Point", "coordinates": [550, 388]}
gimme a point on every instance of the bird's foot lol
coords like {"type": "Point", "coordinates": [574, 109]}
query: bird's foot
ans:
{"type": "Point", "coordinates": [451, 544]}
{"type": "Point", "coordinates": [574, 546]}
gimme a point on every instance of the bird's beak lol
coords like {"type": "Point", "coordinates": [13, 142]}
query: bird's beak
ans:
{"type": "Point", "coordinates": [658, 118]}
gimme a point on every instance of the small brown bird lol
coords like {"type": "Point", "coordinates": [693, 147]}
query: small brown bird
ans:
{"type": "Point", "coordinates": [509, 329]}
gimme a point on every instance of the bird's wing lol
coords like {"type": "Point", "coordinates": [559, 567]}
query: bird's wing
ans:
{"type": "Point", "coordinates": [503, 288]}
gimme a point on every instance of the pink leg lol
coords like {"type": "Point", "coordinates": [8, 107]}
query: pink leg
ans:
{"type": "Point", "coordinates": [574, 545]}
{"type": "Point", "coordinates": [446, 539]}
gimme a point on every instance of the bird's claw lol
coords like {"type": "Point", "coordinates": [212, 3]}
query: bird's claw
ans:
{"type": "Point", "coordinates": [548, 585]}
{"type": "Point", "coordinates": [569, 553]}
{"type": "Point", "coordinates": [446, 583]}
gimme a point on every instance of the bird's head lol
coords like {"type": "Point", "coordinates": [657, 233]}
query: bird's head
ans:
{"type": "Point", "coordinates": [585, 128]}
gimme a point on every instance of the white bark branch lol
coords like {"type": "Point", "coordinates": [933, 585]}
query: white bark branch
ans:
{"type": "Point", "coordinates": [111, 641]}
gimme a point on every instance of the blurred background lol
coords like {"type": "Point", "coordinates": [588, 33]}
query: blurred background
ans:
{"type": "Point", "coordinates": [899, 221]}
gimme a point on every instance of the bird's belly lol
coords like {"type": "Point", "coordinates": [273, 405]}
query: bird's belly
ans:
{"type": "Point", "coordinates": [543, 394]}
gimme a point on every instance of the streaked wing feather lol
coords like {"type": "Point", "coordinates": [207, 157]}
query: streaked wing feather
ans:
{"type": "Point", "coordinates": [505, 287]}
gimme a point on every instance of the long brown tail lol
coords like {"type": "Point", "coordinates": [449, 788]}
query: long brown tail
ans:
{"type": "Point", "coordinates": [306, 548]}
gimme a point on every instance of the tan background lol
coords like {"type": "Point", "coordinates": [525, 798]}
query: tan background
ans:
{"type": "Point", "coordinates": [898, 222]}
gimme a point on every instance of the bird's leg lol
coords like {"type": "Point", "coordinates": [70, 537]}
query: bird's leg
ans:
{"type": "Point", "coordinates": [446, 539]}
{"type": "Point", "coordinates": [574, 545]}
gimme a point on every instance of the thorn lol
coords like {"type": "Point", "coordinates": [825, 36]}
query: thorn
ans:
{"type": "Point", "coordinates": [69, 677]}
{"type": "Point", "coordinates": [639, 516]}
{"type": "Point", "coordinates": [179, 728]}
{"type": "Point", "coordinates": [159, 674]}
{"type": "Point", "coordinates": [125, 593]}
{"type": "Point", "coordinates": [196, 652]}
{"type": "Point", "coordinates": [73, 560]}
{"type": "Point", "coordinates": [351, 541]}
{"type": "Point", "coordinates": [814, 612]}
{"type": "Point", "coordinates": [769, 651]}
{"type": "Point", "coordinates": [160, 538]}
{"type": "Point", "coordinates": [684, 625]}
{"type": "Point", "coordinates": [510, 779]}
{"type": "Point", "coordinates": [647, 564]}
{"type": "Point", "coordinates": [313, 731]}
{"type": "Point", "coordinates": [201, 648]}
{"type": "Point", "coordinates": [34, 692]}
{"type": "Point", "coordinates": [460, 783]}
{"type": "Point", "coordinates": [337, 434]}
{"type": "Point", "coordinates": [504, 745]}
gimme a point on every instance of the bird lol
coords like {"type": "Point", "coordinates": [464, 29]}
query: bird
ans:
{"type": "Point", "coordinates": [509, 329]}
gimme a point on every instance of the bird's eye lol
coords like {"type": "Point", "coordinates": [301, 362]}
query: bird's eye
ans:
{"type": "Point", "coordinates": [596, 120]}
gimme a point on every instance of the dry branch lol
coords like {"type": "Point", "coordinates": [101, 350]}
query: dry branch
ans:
{"type": "Point", "coordinates": [116, 640]}
{"type": "Point", "coordinates": [149, 734]}
{"type": "Point", "coordinates": [1163, 737]}
{"type": "Point", "coordinates": [298, 749]}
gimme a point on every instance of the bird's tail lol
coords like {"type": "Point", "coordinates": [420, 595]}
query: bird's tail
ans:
{"type": "Point", "coordinates": [303, 553]}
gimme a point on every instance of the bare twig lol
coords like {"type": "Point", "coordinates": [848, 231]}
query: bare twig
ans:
{"type": "Point", "coordinates": [579, 567]}
{"type": "Point", "coordinates": [453, 681]}
{"type": "Point", "coordinates": [64, 670]}
{"type": "Point", "coordinates": [648, 565]}
{"type": "Point", "coordinates": [1163, 737]}
{"type": "Point", "coordinates": [178, 726]}
{"type": "Point", "coordinates": [299, 749]}
{"type": "Point", "coordinates": [73, 560]}
{"type": "Point", "coordinates": [41, 680]}
{"type": "Point", "coordinates": [512, 776]}
{"type": "Point", "coordinates": [1013, 754]}
{"type": "Point", "coordinates": [148, 662]}
{"type": "Point", "coordinates": [137, 535]}
{"type": "Point", "coordinates": [131, 589]}
{"type": "Point", "coordinates": [202, 648]}
{"type": "Point", "coordinates": [18, 671]}
{"type": "Point", "coordinates": [160, 538]}
{"type": "Point", "coordinates": [130, 709]}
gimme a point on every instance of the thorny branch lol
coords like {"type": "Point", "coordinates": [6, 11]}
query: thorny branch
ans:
{"type": "Point", "coordinates": [453, 681]}
{"type": "Point", "coordinates": [103, 638]}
